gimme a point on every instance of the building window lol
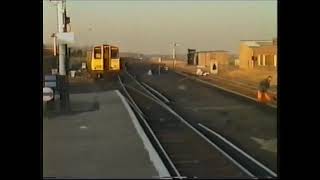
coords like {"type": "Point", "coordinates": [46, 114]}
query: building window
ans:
{"type": "Point", "coordinates": [254, 60]}
{"type": "Point", "coordinates": [269, 60]}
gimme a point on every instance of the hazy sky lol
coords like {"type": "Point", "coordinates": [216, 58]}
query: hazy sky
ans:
{"type": "Point", "coordinates": [150, 26]}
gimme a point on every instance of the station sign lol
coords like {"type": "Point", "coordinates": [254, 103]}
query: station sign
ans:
{"type": "Point", "coordinates": [50, 81]}
{"type": "Point", "coordinates": [65, 37]}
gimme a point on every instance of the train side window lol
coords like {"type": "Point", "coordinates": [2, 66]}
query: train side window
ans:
{"type": "Point", "coordinates": [97, 53]}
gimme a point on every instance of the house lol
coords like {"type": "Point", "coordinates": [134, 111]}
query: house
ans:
{"type": "Point", "coordinates": [206, 58]}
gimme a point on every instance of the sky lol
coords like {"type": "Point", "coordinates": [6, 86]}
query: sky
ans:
{"type": "Point", "coordinates": [151, 27]}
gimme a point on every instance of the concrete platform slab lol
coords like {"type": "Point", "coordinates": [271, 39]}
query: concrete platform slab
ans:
{"type": "Point", "coordinates": [106, 143]}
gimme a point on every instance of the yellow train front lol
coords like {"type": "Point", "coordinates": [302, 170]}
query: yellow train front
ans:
{"type": "Point", "coordinates": [103, 59]}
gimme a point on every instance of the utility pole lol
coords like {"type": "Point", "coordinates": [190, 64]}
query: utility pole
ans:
{"type": "Point", "coordinates": [174, 54]}
{"type": "Point", "coordinates": [63, 20]}
{"type": "Point", "coordinates": [61, 28]}
{"type": "Point", "coordinates": [174, 51]}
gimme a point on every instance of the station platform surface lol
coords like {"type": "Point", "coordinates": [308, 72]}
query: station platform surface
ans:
{"type": "Point", "coordinates": [104, 143]}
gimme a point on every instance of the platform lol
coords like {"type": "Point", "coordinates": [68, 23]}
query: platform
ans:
{"type": "Point", "coordinates": [104, 143]}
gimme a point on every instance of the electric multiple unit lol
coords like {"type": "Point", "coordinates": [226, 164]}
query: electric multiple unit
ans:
{"type": "Point", "coordinates": [103, 59]}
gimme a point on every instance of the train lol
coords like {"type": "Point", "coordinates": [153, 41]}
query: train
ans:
{"type": "Point", "coordinates": [103, 59]}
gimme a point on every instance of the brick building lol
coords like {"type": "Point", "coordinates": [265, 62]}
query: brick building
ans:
{"type": "Point", "coordinates": [258, 53]}
{"type": "Point", "coordinates": [205, 58]}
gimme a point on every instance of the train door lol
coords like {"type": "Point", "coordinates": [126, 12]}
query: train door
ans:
{"type": "Point", "coordinates": [106, 57]}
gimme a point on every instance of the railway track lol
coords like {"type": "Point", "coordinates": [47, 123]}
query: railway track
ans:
{"type": "Point", "coordinates": [233, 81]}
{"type": "Point", "coordinates": [189, 150]}
{"type": "Point", "coordinates": [229, 86]}
{"type": "Point", "coordinates": [243, 88]}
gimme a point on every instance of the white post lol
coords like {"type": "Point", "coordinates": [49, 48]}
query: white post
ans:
{"type": "Point", "coordinates": [174, 51]}
{"type": "Point", "coordinates": [259, 60]}
{"type": "Point", "coordinates": [275, 60]}
{"type": "Point", "coordinates": [62, 51]}
{"type": "Point", "coordinates": [263, 59]}
{"type": "Point", "coordinates": [54, 46]}
{"type": "Point", "coordinates": [159, 60]}
{"type": "Point", "coordinates": [174, 55]}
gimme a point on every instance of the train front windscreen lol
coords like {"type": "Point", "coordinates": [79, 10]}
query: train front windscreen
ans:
{"type": "Point", "coordinates": [114, 53]}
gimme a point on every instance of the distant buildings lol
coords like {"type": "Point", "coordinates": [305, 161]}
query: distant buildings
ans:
{"type": "Point", "coordinates": [258, 53]}
{"type": "Point", "coordinates": [206, 58]}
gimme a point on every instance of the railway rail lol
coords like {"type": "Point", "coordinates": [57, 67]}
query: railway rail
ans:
{"type": "Point", "coordinates": [188, 149]}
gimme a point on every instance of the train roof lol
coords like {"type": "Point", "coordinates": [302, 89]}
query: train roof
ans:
{"type": "Point", "coordinates": [106, 45]}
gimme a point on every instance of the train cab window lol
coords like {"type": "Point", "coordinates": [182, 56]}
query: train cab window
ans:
{"type": "Point", "coordinates": [97, 52]}
{"type": "Point", "coordinates": [114, 53]}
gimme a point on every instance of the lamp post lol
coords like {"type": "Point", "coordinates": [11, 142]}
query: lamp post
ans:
{"type": "Point", "coordinates": [174, 54]}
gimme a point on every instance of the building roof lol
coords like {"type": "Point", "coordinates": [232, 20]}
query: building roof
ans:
{"type": "Point", "coordinates": [258, 43]}
{"type": "Point", "coordinates": [269, 43]}
{"type": "Point", "coordinates": [257, 40]}
{"type": "Point", "coordinates": [212, 51]}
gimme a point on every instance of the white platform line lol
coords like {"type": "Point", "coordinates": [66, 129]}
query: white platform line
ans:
{"type": "Point", "coordinates": [154, 156]}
